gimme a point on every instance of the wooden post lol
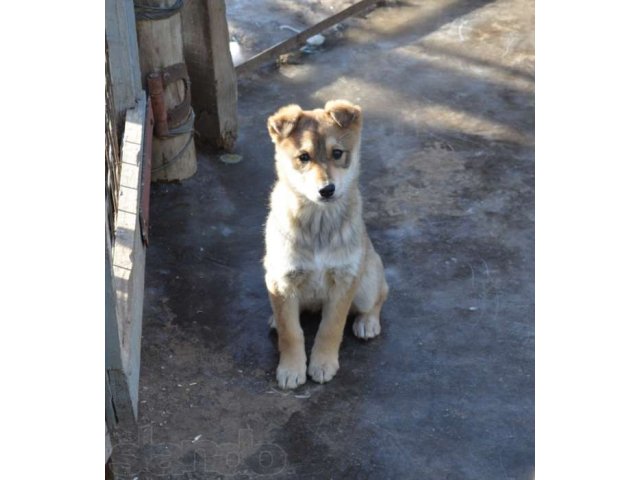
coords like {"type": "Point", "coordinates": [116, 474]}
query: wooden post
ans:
{"type": "Point", "coordinates": [160, 44]}
{"type": "Point", "coordinates": [213, 79]}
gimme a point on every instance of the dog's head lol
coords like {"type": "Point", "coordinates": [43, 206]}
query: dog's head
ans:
{"type": "Point", "coordinates": [318, 151]}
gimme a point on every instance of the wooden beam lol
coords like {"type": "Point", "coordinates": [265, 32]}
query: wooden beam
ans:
{"type": "Point", "coordinates": [214, 92]}
{"type": "Point", "coordinates": [274, 52]}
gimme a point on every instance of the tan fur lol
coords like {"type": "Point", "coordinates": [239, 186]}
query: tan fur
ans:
{"type": "Point", "coordinates": [318, 253]}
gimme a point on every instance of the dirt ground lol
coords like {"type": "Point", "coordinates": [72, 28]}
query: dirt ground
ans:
{"type": "Point", "coordinates": [447, 390]}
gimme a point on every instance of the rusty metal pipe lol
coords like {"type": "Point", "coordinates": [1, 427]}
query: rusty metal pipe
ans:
{"type": "Point", "coordinates": [156, 93]}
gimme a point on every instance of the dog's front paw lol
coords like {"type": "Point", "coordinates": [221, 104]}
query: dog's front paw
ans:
{"type": "Point", "coordinates": [323, 368]}
{"type": "Point", "coordinates": [366, 326]}
{"type": "Point", "coordinates": [291, 375]}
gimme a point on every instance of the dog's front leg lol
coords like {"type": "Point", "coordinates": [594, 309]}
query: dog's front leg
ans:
{"type": "Point", "coordinates": [292, 369]}
{"type": "Point", "coordinates": [326, 348]}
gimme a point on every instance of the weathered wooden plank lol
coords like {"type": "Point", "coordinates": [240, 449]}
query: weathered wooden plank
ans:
{"type": "Point", "coordinates": [160, 45]}
{"type": "Point", "coordinates": [274, 52]}
{"type": "Point", "coordinates": [122, 397]}
{"type": "Point", "coordinates": [123, 54]}
{"type": "Point", "coordinates": [118, 403]}
{"type": "Point", "coordinates": [113, 359]}
{"type": "Point", "coordinates": [128, 268]}
{"type": "Point", "coordinates": [205, 35]}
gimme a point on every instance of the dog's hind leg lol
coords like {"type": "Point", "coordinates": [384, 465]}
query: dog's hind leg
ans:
{"type": "Point", "coordinates": [292, 369]}
{"type": "Point", "coordinates": [367, 325]}
{"type": "Point", "coordinates": [371, 294]}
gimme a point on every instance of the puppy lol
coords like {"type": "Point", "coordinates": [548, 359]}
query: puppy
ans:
{"type": "Point", "coordinates": [318, 253]}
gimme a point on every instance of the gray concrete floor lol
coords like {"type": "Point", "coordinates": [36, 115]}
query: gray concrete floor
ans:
{"type": "Point", "coordinates": [447, 390]}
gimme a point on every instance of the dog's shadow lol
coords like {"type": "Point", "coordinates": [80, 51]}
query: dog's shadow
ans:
{"type": "Point", "coordinates": [310, 321]}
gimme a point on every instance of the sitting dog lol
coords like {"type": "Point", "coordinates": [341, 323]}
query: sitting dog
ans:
{"type": "Point", "coordinates": [318, 253]}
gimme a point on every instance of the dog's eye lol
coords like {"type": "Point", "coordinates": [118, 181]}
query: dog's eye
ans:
{"type": "Point", "coordinates": [304, 157]}
{"type": "Point", "coordinates": [336, 153]}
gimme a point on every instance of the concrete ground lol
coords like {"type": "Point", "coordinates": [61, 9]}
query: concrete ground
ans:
{"type": "Point", "coordinates": [447, 390]}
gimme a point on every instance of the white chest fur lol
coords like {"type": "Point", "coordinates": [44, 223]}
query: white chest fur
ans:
{"type": "Point", "coordinates": [311, 250]}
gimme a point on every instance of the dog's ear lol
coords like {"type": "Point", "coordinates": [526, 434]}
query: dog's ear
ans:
{"type": "Point", "coordinates": [282, 123]}
{"type": "Point", "coordinates": [344, 113]}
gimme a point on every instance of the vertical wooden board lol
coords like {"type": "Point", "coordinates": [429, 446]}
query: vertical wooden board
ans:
{"type": "Point", "coordinates": [123, 407]}
{"type": "Point", "coordinates": [225, 74]}
{"type": "Point", "coordinates": [111, 336]}
{"type": "Point", "coordinates": [213, 77]}
{"type": "Point", "coordinates": [118, 399]}
{"type": "Point", "coordinates": [136, 311]}
{"type": "Point", "coordinates": [127, 227]}
{"type": "Point", "coordinates": [113, 358]}
{"type": "Point", "coordinates": [125, 258]}
{"type": "Point", "coordinates": [128, 271]}
{"type": "Point", "coordinates": [196, 40]}
{"type": "Point", "coordinates": [123, 54]}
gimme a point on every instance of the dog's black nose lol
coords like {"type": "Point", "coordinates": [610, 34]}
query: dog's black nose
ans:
{"type": "Point", "coordinates": [327, 191]}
